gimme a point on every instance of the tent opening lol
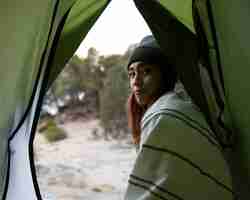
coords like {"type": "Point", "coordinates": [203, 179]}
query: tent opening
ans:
{"type": "Point", "coordinates": [83, 148]}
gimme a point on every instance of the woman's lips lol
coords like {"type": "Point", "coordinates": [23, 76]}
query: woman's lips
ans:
{"type": "Point", "coordinates": [138, 92]}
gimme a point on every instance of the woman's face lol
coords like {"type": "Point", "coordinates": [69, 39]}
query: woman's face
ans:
{"type": "Point", "coordinates": [145, 82]}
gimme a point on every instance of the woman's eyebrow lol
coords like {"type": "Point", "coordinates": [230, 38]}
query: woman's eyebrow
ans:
{"type": "Point", "coordinates": [138, 66]}
{"type": "Point", "coordinates": [130, 69]}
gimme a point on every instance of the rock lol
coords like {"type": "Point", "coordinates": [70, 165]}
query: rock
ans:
{"type": "Point", "coordinates": [103, 188]}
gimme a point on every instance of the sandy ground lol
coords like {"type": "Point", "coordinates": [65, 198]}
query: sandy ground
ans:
{"type": "Point", "coordinates": [81, 167]}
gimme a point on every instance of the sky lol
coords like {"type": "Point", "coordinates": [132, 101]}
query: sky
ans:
{"type": "Point", "coordinates": [119, 26]}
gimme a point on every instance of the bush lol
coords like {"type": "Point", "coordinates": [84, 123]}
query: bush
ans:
{"type": "Point", "coordinates": [44, 123]}
{"type": "Point", "coordinates": [53, 133]}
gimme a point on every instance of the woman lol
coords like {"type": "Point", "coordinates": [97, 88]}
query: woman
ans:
{"type": "Point", "coordinates": [178, 155]}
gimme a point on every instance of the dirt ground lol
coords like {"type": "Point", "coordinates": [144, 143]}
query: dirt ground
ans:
{"type": "Point", "coordinates": [82, 167]}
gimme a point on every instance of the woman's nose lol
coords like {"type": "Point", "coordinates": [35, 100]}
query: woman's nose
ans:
{"type": "Point", "coordinates": [137, 79]}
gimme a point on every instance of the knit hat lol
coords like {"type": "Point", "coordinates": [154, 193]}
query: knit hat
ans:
{"type": "Point", "coordinates": [148, 51]}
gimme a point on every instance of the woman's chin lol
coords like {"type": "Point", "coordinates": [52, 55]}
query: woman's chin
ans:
{"type": "Point", "coordinates": [141, 101]}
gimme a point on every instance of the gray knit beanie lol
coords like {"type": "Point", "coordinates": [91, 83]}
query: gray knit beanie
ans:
{"type": "Point", "coordinates": [148, 51]}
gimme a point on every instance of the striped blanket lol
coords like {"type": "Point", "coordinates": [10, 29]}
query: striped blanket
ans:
{"type": "Point", "coordinates": [179, 157]}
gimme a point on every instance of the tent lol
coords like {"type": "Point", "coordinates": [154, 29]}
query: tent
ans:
{"type": "Point", "coordinates": [39, 37]}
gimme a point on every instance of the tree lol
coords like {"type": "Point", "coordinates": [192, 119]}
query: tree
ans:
{"type": "Point", "coordinates": [113, 96]}
{"type": "Point", "coordinates": [103, 79]}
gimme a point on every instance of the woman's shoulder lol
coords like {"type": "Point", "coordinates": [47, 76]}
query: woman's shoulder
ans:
{"type": "Point", "coordinates": [169, 111]}
{"type": "Point", "coordinates": [172, 118]}
{"type": "Point", "coordinates": [172, 103]}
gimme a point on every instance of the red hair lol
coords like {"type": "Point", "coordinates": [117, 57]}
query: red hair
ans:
{"type": "Point", "coordinates": [135, 113]}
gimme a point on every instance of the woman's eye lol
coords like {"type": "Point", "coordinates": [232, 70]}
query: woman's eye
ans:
{"type": "Point", "coordinates": [147, 71]}
{"type": "Point", "coordinates": [131, 74]}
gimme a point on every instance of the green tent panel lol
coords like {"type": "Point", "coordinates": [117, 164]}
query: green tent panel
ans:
{"type": "Point", "coordinates": [228, 53]}
{"type": "Point", "coordinates": [24, 35]}
{"type": "Point", "coordinates": [232, 35]}
{"type": "Point", "coordinates": [79, 21]}
{"type": "Point", "coordinates": [182, 10]}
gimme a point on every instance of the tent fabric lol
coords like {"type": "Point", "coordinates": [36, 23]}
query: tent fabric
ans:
{"type": "Point", "coordinates": [210, 72]}
{"type": "Point", "coordinates": [227, 53]}
{"type": "Point", "coordinates": [232, 37]}
{"type": "Point", "coordinates": [27, 41]}
{"type": "Point", "coordinates": [81, 18]}
{"type": "Point", "coordinates": [181, 10]}
{"type": "Point", "coordinates": [21, 160]}
{"type": "Point", "coordinates": [24, 35]}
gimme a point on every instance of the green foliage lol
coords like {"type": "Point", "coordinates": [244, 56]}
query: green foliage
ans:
{"type": "Point", "coordinates": [113, 99]}
{"type": "Point", "coordinates": [53, 133]}
{"type": "Point", "coordinates": [44, 123]}
{"type": "Point", "coordinates": [104, 76]}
